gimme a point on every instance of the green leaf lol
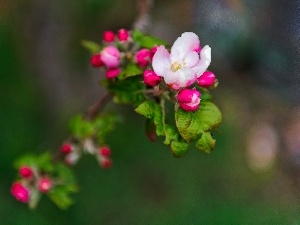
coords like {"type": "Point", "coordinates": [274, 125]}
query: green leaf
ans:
{"type": "Point", "coordinates": [179, 148]}
{"type": "Point", "coordinates": [152, 110]}
{"type": "Point", "coordinates": [44, 162]}
{"type": "Point", "coordinates": [130, 70]}
{"type": "Point", "coordinates": [171, 134]}
{"type": "Point", "coordinates": [146, 41]}
{"type": "Point", "coordinates": [91, 46]}
{"type": "Point", "coordinates": [206, 143]}
{"type": "Point", "coordinates": [26, 160]}
{"type": "Point", "coordinates": [188, 124]}
{"type": "Point", "coordinates": [80, 128]}
{"type": "Point", "coordinates": [60, 197]}
{"type": "Point", "coordinates": [127, 91]}
{"type": "Point", "coordinates": [192, 124]}
{"type": "Point", "coordinates": [104, 124]}
{"type": "Point", "coordinates": [209, 115]}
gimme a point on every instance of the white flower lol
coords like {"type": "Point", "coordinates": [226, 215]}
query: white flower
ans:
{"type": "Point", "coordinates": [182, 66]}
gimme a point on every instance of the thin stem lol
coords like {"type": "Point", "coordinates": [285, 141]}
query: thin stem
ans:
{"type": "Point", "coordinates": [98, 106]}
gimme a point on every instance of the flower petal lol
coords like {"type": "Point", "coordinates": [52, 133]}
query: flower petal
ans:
{"type": "Point", "coordinates": [161, 61]}
{"type": "Point", "coordinates": [204, 62]}
{"type": "Point", "coordinates": [183, 77]}
{"type": "Point", "coordinates": [186, 43]}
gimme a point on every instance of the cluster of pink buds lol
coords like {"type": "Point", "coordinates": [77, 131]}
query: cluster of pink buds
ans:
{"type": "Point", "coordinates": [73, 152]}
{"type": "Point", "coordinates": [31, 180]}
{"type": "Point", "coordinates": [110, 56]}
{"type": "Point", "coordinates": [104, 157]}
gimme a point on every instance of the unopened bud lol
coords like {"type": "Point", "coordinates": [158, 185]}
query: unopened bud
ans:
{"type": "Point", "coordinates": [26, 172]}
{"type": "Point", "coordinates": [112, 73]}
{"type": "Point", "coordinates": [151, 78]}
{"type": "Point", "coordinates": [123, 35]}
{"type": "Point", "coordinates": [143, 57]}
{"type": "Point", "coordinates": [108, 36]}
{"type": "Point", "coordinates": [105, 151]}
{"type": "Point", "coordinates": [96, 61]}
{"type": "Point", "coordinates": [207, 79]}
{"type": "Point", "coordinates": [189, 99]}
{"type": "Point", "coordinates": [20, 192]}
{"type": "Point", "coordinates": [44, 184]}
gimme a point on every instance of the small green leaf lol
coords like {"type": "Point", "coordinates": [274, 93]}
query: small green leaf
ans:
{"type": "Point", "coordinates": [44, 162]}
{"type": "Point", "coordinates": [179, 148]}
{"type": "Point", "coordinates": [209, 115]}
{"type": "Point", "coordinates": [60, 197]}
{"type": "Point", "coordinates": [192, 124]}
{"type": "Point", "coordinates": [104, 124]}
{"type": "Point", "coordinates": [130, 70]}
{"type": "Point", "coordinates": [146, 41]}
{"type": "Point", "coordinates": [206, 143]}
{"type": "Point", "coordinates": [152, 110]}
{"type": "Point", "coordinates": [171, 134]}
{"type": "Point", "coordinates": [80, 128]}
{"type": "Point", "coordinates": [188, 124]}
{"type": "Point", "coordinates": [91, 46]}
{"type": "Point", "coordinates": [127, 91]}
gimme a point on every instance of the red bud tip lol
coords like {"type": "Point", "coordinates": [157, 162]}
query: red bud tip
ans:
{"type": "Point", "coordinates": [25, 172]}
{"type": "Point", "coordinates": [96, 60]}
{"type": "Point", "coordinates": [105, 151]}
{"type": "Point", "coordinates": [66, 148]}
{"type": "Point", "coordinates": [123, 35]}
{"type": "Point", "coordinates": [108, 36]}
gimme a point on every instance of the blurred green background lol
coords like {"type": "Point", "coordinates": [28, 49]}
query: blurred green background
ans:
{"type": "Point", "coordinates": [45, 78]}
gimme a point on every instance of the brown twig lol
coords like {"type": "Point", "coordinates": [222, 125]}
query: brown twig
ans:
{"type": "Point", "coordinates": [143, 22]}
{"type": "Point", "coordinates": [98, 106]}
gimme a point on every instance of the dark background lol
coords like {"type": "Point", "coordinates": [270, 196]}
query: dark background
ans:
{"type": "Point", "coordinates": [45, 78]}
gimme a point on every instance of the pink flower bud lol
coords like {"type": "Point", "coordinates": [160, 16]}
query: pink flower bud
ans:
{"type": "Point", "coordinates": [108, 36]}
{"type": "Point", "coordinates": [189, 99]}
{"type": "Point", "coordinates": [20, 192]}
{"type": "Point", "coordinates": [105, 151]}
{"type": "Point", "coordinates": [143, 57]}
{"type": "Point", "coordinates": [66, 148]}
{"type": "Point", "coordinates": [44, 184]}
{"type": "Point", "coordinates": [153, 51]}
{"type": "Point", "coordinates": [112, 73]}
{"type": "Point", "coordinates": [110, 56]}
{"type": "Point", "coordinates": [151, 78]}
{"type": "Point", "coordinates": [106, 163]}
{"type": "Point", "coordinates": [123, 35]}
{"type": "Point", "coordinates": [96, 60]}
{"type": "Point", "coordinates": [26, 172]}
{"type": "Point", "coordinates": [207, 79]}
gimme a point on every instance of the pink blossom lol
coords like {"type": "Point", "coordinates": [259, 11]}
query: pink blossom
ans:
{"type": "Point", "coordinates": [20, 192]}
{"type": "Point", "coordinates": [112, 73]}
{"type": "Point", "coordinates": [123, 35]}
{"type": "Point", "coordinates": [25, 172]}
{"type": "Point", "coordinates": [108, 36]}
{"type": "Point", "coordinates": [45, 184]}
{"type": "Point", "coordinates": [189, 99]}
{"type": "Point", "coordinates": [143, 57]}
{"type": "Point", "coordinates": [151, 78]}
{"type": "Point", "coordinates": [207, 79]}
{"type": "Point", "coordinates": [182, 66]}
{"type": "Point", "coordinates": [110, 56]}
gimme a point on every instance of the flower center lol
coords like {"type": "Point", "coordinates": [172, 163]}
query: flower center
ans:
{"type": "Point", "coordinates": [175, 66]}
